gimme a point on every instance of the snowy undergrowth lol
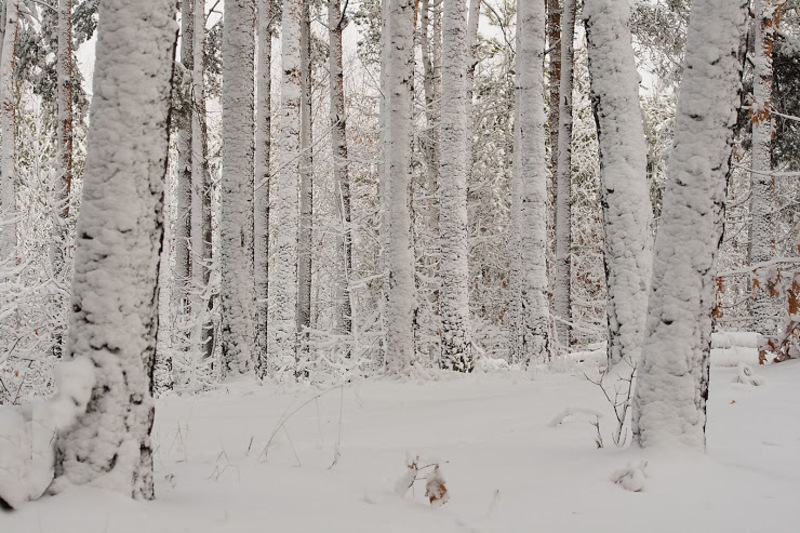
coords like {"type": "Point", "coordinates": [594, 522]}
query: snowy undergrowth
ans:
{"type": "Point", "coordinates": [505, 469]}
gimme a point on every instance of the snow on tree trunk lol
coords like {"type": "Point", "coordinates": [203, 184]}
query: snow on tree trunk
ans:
{"type": "Point", "coordinates": [530, 313]}
{"type": "Point", "coordinates": [236, 197]}
{"type": "Point", "coordinates": [627, 211]}
{"type": "Point", "coordinates": [341, 179]}
{"type": "Point", "coordinates": [563, 260]}
{"type": "Point", "coordinates": [263, 147]}
{"type": "Point", "coordinates": [553, 85]}
{"type": "Point", "coordinates": [119, 236]}
{"type": "Point", "coordinates": [64, 99]}
{"type": "Point", "coordinates": [456, 343]}
{"type": "Point", "coordinates": [398, 69]}
{"type": "Point", "coordinates": [669, 403]}
{"type": "Point", "coordinates": [764, 309]}
{"type": "Point", "coordinates": [183, 118]}
{"type": "Point", "coordinates": [283, 272]}
{"type": "Point", "coordinates": [201, 233]}
{"type": "Point", "coordinates": [473, 22]}
{"type": "Point", "coordinates": [8, 242]}
{"type": "Point", "coordinates": [305, 232]}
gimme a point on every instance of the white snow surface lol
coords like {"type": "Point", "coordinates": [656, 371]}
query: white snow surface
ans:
{"type": "Point", "coordinates": [505, 470]}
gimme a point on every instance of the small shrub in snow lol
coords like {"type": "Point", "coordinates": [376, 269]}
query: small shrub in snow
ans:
{"type": "Point", "coordinates": [631, 478]}
{"type": "Point", "coordinates": [435, 490]}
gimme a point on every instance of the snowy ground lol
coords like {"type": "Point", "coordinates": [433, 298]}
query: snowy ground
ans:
{"type": "Point", "coordinates": [505, 468]}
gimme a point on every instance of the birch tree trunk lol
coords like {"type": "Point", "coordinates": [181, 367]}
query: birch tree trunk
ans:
{"type": "Point", "coordinates": [763, 307]}
{"type": "Point", "coordinates": [669, 403]}
{"type": "Point", "coordinates": [341, 178]}
{"type": "Point", "coordinates": [114, 318]}
{"type": "Point", "coordinates": [201, 232]}
{"type": "Point", "coordinates": [627, 211]}
{"type": "Point", "coordinates": [456, 342]}
{"type": "Point", "coordinates": [262, 180]}
{"type": "Point", "coordinates": [398, 69]}
{"type": "Point", "coordinates": [529, 307]}
{"type": "Point", "coordinates": [563, 260]}
{"type": "Point", "coordinates": [236, 197]}
{"type": "Point", "coordinates": [473, 22]}
{"type": "Point", "coordinates": [306, 187]}
{"type": "Point", "coordinates": [183, 117]}
{"type": "Point", "coordinates": [8, 105]}
{"type": "Point", "coordinates": [283, 273]}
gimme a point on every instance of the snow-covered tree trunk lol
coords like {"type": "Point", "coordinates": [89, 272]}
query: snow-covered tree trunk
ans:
{"type": "Point", "coordinates": [456, 343]}
{"type": "Point", "coordinates": [432, 104]}
{"type": "Point", "coordinates": [398, 69]}
{"type": "Point", "coordinates": [262, 169]}
{"type": "Point", "coordinates": [201, 232]}
{"type": "Point", "coordinates": [473, 22]}
{"type": "Point", "coordinates": [283, 272]}
{"type": "Point", "coordinates": [553, 86]}
{"type": "Point", "coordinates": [8, 214]}
{"type": "Point", "coordinates": [64, 99]}
{"type": "Point", "coordinates": [764, 309]}
{"type": "Point", "coordinates": [237, 292]}
{"type": "Point", "coordinates": [530, 312]}
{"type": "Point", "coordinates": [669, 403]}
{"type": "Point", "coordinates": [341, 178]}
{"type": "Point", "coordinates": [183, 118]}
{"type": "Point", "coordinates": [627, 211]}
{"type": "Point", "coordinates": [563, 261]}
{"type": "Point", "coordinates": [114, 317]}
{"type": "Point", "coordinates": [305, 231]}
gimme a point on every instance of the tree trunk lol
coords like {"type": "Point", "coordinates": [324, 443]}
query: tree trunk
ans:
{"type": "Point", "coordinates": [554, 85]}
{"type": "Point", "coordinates": [764, 309]}
{"type": "Point", "coordinates": [306, 188]}
{"type": "Point", "coordinates": [283, 282]}
{"type": "Point", "coordinates": [64, 99]}
{"type": "Point", "coordinates": [669, 403]}
{"type": "Point", "coordinates": [183, 118]}
{"type": "Point", "coordinates": [341, 179]}
{"type": "Point", "coordinates": [627, 211]}
{"type": "Point", "coordinates": [262, 180]}
{"type": "Point", "coordinates": [236, 197]}
{"type": "Point", "coordinates": [8, 104]}
{"type": "Point", "coordinates": [201, 232]}
{"type": "Point", "coordinates": [398, 68]}
{"type": "Point", "coordinates": [456, 342]}
{"type": "Point", "coordinates": [114, 317]}
{"type": "Point", "coordinates": [530, 312]}
{"type": "Point", "coordinates": [563, 260]}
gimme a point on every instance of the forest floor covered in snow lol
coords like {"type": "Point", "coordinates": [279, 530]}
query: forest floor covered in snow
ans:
{"type": "Point", "coordinates": [506, 466]}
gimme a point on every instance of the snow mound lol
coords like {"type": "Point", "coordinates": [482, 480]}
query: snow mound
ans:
{"type": "Point", "coordinates": [631, 478]}
{"type": "Point", "coordinates": [27, 433]}
{"type": "Point", "coordinates": [569, 413]}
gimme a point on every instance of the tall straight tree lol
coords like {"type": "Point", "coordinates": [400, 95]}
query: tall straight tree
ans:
{"type": "Point", "coordinates": [456, 343]}
{"type": "Point", "coordinates": [341, 178]}
{"type": "Point", "coordinates": [554, 43]}
{"type": "Point", "coordinates": [64, 68]}
{"type": "Point", "coordinates": [114, 293]}
{"type": "Point", "coordinates": [563, 261]}
{"type": "Point", "coordinates": [764, 309]}
{"type": "Point", "coordinates": [398, 73]}
{"type": "Point", "coordinates": [627, 211]}
{"type": "Point", "coordinates": [8, 195]}
{"type": "Point", "coordinates": [530, 314]}
{"type": "Point", "coordinates": [183, 193]}
{"type": "Point", "coordinates": [283, 273]}
{"type": "Point", "coordinates": [201, 232]}
{"type": "Point", "coordinates": [669, 403]}
{"type": "Point", "coordinates": [263, 154]}
{"type": "Point", "coordinates": [305, 231]}
{"type": "Point", "coordinates": [236, 197]}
